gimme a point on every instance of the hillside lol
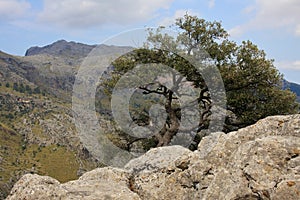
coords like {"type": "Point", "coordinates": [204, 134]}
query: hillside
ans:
{"type": "Point", "coordinates": [37, 130]}
{"type": "Point", "coordinates": [37, 133]}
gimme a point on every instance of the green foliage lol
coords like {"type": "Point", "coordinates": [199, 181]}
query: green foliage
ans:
{"type": "Point", "coordinates": [18, 157]}
{"type": "Point", "coordinates": [28, 89]}
{"type": "Point", "coordinates": [253, 85]}
{"type": "Point", "coordinates": [10, 116]}
{"type": "Point", "coordinates": [36, 90]}
{"type": "Point", "coordinates": [19, 87]}
{"type": "Point", "coordinates": [16, 86]}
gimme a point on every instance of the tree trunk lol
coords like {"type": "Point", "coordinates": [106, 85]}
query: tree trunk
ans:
{"type": "Point", "coordinates": [166, 134]}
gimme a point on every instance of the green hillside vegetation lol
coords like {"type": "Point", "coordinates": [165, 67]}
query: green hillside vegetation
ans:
{"type": "Point", "coordinates": [18, 158]}
{"type": "Point", "coordinates": [19, 153]}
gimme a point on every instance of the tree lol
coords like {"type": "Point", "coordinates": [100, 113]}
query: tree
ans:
{"type": "Point", "coordinates": [28, 89]}
{"type": "Point", "coordinates": [16, 86]}
{"type": "Point", "coordinates": [252, 83]}
{"type": "Point", "coordinates": [21, 88]}
{"type": "Point", "coordinates": [37, 90]}
{"type": "Point", "coordinates": [254, 86]}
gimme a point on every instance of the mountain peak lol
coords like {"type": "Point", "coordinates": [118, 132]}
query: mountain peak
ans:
{"type": "Point", "coordinates": [62, 48]}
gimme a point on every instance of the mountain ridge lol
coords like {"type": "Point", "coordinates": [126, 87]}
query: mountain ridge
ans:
{"type": "Point", "coordinates": [60, 48]}
{"type": "Point", "coordinates": [294, 87]}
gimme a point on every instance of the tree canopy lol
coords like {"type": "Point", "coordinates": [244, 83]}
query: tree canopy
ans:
{"type": "Point", "coordinates": [253, 85]}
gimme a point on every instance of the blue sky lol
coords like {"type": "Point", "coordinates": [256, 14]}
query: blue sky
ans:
{"type": "Point", "coordinates": [274, 25]}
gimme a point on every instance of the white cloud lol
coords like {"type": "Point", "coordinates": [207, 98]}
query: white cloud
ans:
{"type": "Point", "coordinates": [211, 3]}
{"type": "Point", "coordinates": [269, 14]}
{"type": "Point", "coordinates": [167, 21]}
{"type": "Point", "coordinates": [87, 13]}
{"type": "Point", "coordinates": [236, 31]}
{"type": "Point", "coordinates": [291, 65]}
{"type": "Point", "coordinates": [13, 9]}
{"type": "Point", "coordinates": [297, 32]}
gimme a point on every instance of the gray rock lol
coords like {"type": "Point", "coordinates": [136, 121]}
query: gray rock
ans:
{"type": "Point", "coordinates": [156, 159]}
{"type": "Point", "coordinates": [105, 183]}
{"type": "Point", "coordinates": [261, 161]}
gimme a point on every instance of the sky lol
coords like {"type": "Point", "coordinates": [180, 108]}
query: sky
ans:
{"type": "Point", "coordinates": [273, 25]}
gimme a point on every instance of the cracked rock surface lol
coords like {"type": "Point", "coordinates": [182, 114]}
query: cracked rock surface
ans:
{"type": "Point", "coordinates": [261, 161]}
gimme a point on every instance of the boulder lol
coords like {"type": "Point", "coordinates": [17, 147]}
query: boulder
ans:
{"type": "Point", "coordinates": [104, 183]}
{"type": "Point", "coordinates": [261, 161]}
{"type": "Point", "coordinates": [156, 159]}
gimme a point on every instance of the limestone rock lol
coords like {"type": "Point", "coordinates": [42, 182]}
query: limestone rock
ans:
{"type": "Point", "coordinates": [261, 161]}
{"type": "Point", "coordinates": [156, 159]}
{"type": "Point", "coordinates": [105, 183]}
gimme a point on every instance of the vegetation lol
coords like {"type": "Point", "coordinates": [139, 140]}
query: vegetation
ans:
{"type": "Point", "coordinates": [20, 154]}
{"type": "Point", "coordinates": [253, 85]}
{"type": "Point", "coordinates": [37, 134]}
{"type": "Point", "coordinates": [19, 157]}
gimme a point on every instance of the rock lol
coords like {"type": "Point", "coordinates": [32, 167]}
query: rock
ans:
{"type": "Point", "coordinates": [32, 186]}
{"type": "Point", "coordinates": [156, 159]}
{"type": "Point", "coordinates": [261, 161]}
{"type": "Point", "coordinates": [287, 190]}
{"type": "Point", "coordinates": [137, 148]}
{"type": "Point", "coordinates": [105, 183]}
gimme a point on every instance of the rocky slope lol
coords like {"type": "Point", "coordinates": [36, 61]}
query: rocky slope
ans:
{"type": "Point", "coordinates": [261, 161]}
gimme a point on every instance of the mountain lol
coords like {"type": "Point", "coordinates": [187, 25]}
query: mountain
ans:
{"type": "Point", "coordinates": [37, 131]}
{"type": "Point", "coordinates": [293, 87]}
{"type": "Point", "coordinates": [62, 48]}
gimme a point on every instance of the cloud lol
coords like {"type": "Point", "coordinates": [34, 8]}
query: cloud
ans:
{"type": "Point", "coordinates": [289, 65]}
{"type": "Point", "coordinates": [297, 32]}
{"type": "Point", "coordinates": [167, 21]}
{"type": "Point", "coordinates": [268, 14]}
{"type": "Point", "coordinates": [211, 3]}
{"type": "Point", "coordinates": [89, 13]}
{"type": "Point", "coordinates": [13, 9]}
{"type": "Point", "coordinates": [236, 31]}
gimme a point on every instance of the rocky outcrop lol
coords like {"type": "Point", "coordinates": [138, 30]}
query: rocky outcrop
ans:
{"type": "Point", "coordinates": [261, 161]}
{"type": "Point", "coordinates": [105, 183]}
